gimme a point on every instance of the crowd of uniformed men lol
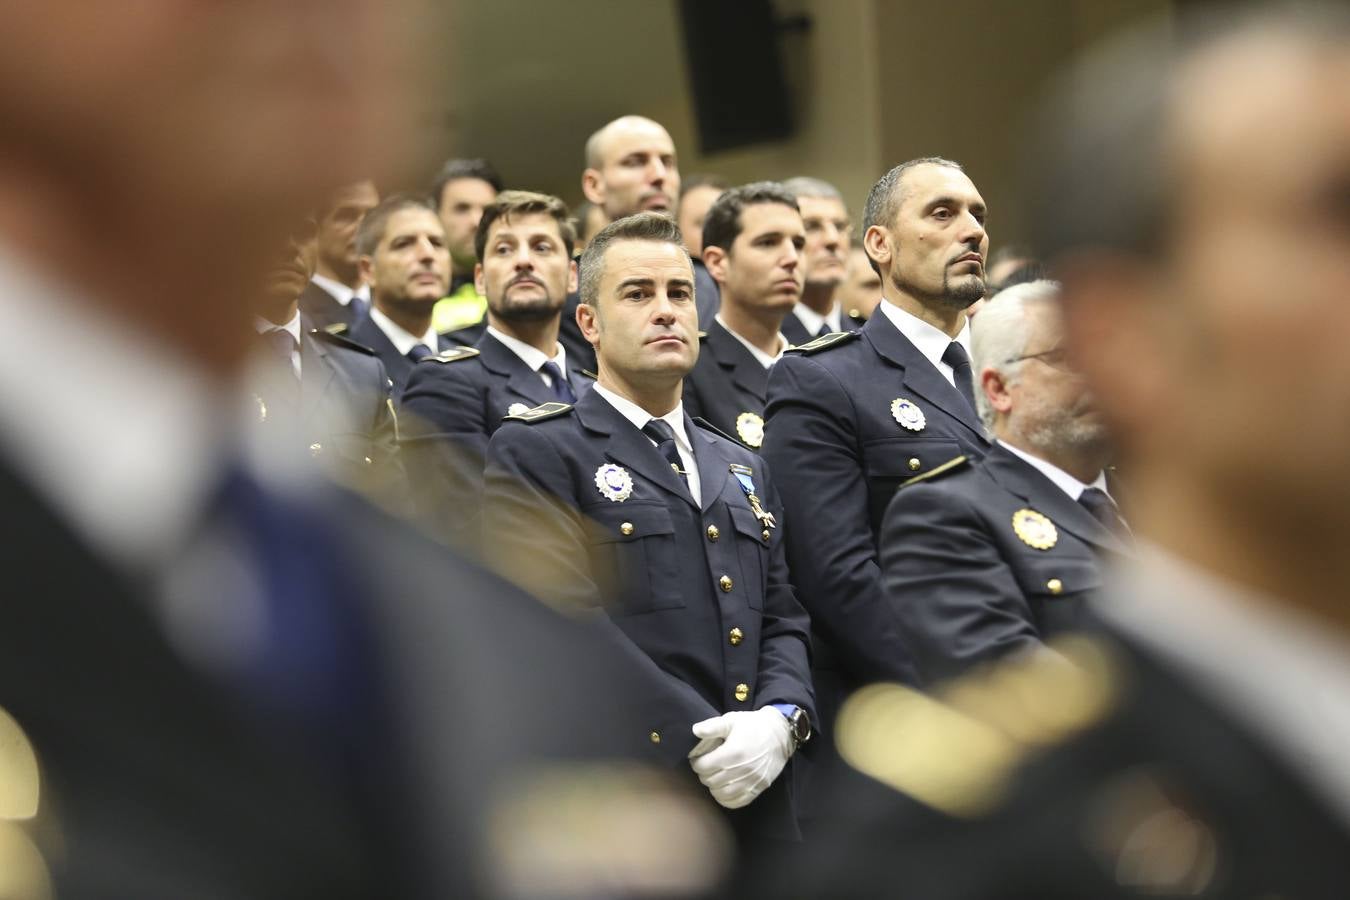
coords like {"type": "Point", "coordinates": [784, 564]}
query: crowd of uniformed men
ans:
{"type": "Point", "coordinates": [705, 516]}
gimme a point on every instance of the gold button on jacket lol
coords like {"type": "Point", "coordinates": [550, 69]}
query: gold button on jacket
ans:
{"type": "Point", "coordinates": [725, 583]}
{"type": "Point", "coordinates": [626, 528]}
{"type": "Point", "coordinates": [742, 692]}
{"type": "Point", "coordinates": [656, 737]}
{"type": "Point", "coordinates": [714, 532]}
{"type": "Point", "coordinates": [735, 636]}
{"type": "Point", "coordinates": [1054, 586]}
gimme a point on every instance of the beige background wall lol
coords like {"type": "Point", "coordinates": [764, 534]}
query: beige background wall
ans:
{"type": "Point", "coordinates": [874, 82]}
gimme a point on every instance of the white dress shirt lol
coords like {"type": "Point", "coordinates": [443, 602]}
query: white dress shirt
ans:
{"type": "Point", "coordinates": [675, 419]}
{"type": "Point", "coordinates": [812, 320]}
{"type": "Point", "coordinates": [124, 437]}
{"type": "Point", "coordinates": [533, 356]}
{"type": "Point", "coordinates": [339, 291]}
{"type": "Point", "coordinates": [293, 326]}
{"type": "Point", "coordinates": [760, 356]}
{"type": "Point", "coordinates": [1063, 480]}
{"type": "Point", "coordinates": [402, 339]}
{"type": "Point", "coordinates": [931, 340]}
{"type": "Point", "coordinates": [1282, 673]}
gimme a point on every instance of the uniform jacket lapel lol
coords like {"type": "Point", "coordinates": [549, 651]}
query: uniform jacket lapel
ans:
{"type": "Point", "coordinates": [740, 366]}
{"type": "Point", "coordinates": [921, 375]}
{"type": "Point", "coordinates": [1046, 497]}
{"type": "Point", "coordinates": [627, 445]}
{"type": "Point", "coordinates": [520, 379]}
{"type": "Point", "coordinates": [712, 464]}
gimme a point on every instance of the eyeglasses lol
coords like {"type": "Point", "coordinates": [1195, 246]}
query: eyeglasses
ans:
{"type": "Point", "coordinates": [1056, 357]}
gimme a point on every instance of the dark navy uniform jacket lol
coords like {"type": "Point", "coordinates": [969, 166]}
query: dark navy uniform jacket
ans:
{"type": "Point", "coordinates": [453, 404]}
{"type": "Point", "coordinates": [837, 446]}
{"type": "Point", "coordinates": [342, 412]}
{"type": "Point", "coordinates": [699, 595]}
{"type": "Point", "coordinates": [795, 331]}
{"type": "Point", "coordinates": [323, 309]}
{"type": "Point", "coordinates": [964, 586]}
{"type": "Point", "coordinates": [399, 366]}
{"type": "Point", "coordinates": [727, 387]}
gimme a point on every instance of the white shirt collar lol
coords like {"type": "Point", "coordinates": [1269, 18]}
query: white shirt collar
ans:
{"type": "Point", "coordinates": [156, 425]}
{"type": "Point", "coordinates": [760, 356]}
{"type": "Point", "coordinates": [1062, 479]}
{"type": "Point", "coordinates": [812, 320]}
{"type": "Point", "coordinates": [340, 292]}
{"type": "Point", "coordinates": [930, 340]}
{"type": "Point", "coordinates": [531, 356]}
{"type": "Point", "coordinates": [293, 326]}
{"type": "Point", "coordinates": [1282, 673]}
{"type": "Point", "coordinates": [402, 340]}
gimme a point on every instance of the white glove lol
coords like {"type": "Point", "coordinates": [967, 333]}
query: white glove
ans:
{"type": "Point", "coordinates": [753, 748]}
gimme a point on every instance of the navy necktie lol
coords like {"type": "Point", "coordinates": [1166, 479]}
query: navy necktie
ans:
{"type": "Point", "coordinates": [360, 308]}
{"type": "Point", "coordinates": [1103, 509]}
{"type": "Point", "coordinates": [561, 389]}
{"type": "Point", "coordinates": [419, 352]}
{"type": "Point", "coordinates": [824, 330]}
{"type": "Point", "coordinates": [664, 435]}
{"type": "Point", "coordinates": [955, 356]}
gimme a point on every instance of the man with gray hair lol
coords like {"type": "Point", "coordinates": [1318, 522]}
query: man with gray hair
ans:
{"type": "Point", "coordinates": [982, 559]}
{"type": "Point", "coordinates": [828, 227]}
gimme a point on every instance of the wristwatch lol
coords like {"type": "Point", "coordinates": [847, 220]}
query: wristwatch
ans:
{"type": "Point", "coordinates": [799, 723]}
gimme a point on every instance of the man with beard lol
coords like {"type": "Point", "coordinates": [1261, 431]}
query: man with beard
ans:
{"type": "Point", "coordinates": [994, 557]}
{"type": "Point", "coordinates": [456, 400]}
{"type": "Point", "coordinates": [336, 294]}
{"type": "Point", "coordinates": [317, 390]}
{"type": "Point", "coordinates": [825, 217]}
{"type": "Point", "coordinates": [752, 244]}
{"type": "Point", "coordinates": [401, 243]}
{"type": "Point", "coordinates": [852, 415]}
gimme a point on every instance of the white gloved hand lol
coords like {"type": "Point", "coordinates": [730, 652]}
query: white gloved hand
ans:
{"type": "Point", "coordinates": [753, 750]}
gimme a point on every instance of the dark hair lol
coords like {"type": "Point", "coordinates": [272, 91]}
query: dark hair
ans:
{"type": "Point", "coordinates": [371, 230]}
{"type": "Point", "coordinates": [693, 182]}
{"type": "Point", "coordinates": [643, 226]}
{"type": "Point", "coordinates": [456, 169]}
{"type": "Point", "coordinates": [723, 224]}
{"type": "Point", "coordinates": [522, 203]}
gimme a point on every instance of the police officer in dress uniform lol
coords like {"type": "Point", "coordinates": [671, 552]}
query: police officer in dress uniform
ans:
{"type": "Point", "coordinates": [752, 245]}
{"type": "Point", "coordinates": [981, 559]}
{"type": "Point", "coordinates": [404, 258]}
{"type": "Point", "coordinates": [852, 415]}
{"type": "Point", "coordinates": [622, 504]}
{"type": "Point", "coordinates": [456, 400]}
{"type": "Point", "coordinates": [820, 311]}
{"type": "Point", "coordinates": [1195, 747]}
{"type": "Point", "coordinates": [330, 395]}
{"type": "Point", "coordinates": [336, 294]}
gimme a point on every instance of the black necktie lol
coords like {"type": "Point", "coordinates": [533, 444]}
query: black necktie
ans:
{"type": "Point", "coordinates": [664, 435]}
{"type": "Point", "coordinates": [561, 389]}
{"type": "Point", "coordinates": [419, 352]}
{"type": "Point", "coordinates": [824, 330]}
{"type": "Point", "coordinates": [1103, 509]}
{"type": "Point", "coordinates": [956, 358]}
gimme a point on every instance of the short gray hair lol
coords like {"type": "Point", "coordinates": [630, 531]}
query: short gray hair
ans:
{"type": "Point", "coordinates": [806, 186]}
{"type": "Point", "coordinates": [998, 335]}
{"type": "Point", "coordinates": [645, 226]}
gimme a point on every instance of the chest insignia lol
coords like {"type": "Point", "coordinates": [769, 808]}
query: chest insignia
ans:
{"type": "Point", "coordinates": [908, 414]}
{"type": "Point", "coordinates": [750, 429]}
{"type": "Point", "coordinates": [1034, 529]}
{"type": "Point", "coordinates": [614, 482]}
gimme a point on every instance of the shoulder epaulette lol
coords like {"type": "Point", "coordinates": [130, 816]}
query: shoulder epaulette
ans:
{"type": "Point", "coordinates": [589, 374]}
{"type": "Point", "coordinates": [708, 426]}
{"type": "Point", "coordinates": [454, 354]}
{"type": "Point", "coordinates": [540, 413]}
{"type": "Point", "coordinates": [338, 340]}
{"type": "Point", "coordinates": [950, 465]}
{"type": "Point", "coordinates": [338, 328]}
{"type": "Point", "coordinates": [824, 342]}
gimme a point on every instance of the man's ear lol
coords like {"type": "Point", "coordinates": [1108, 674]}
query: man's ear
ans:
{"type": "Point", "coordinates": [365, 266]}
{"type": "Point", "coordinates": [478, 279]}
{"type": "Point", "coordinates": [995, 388]}
{"type": "Point", "coordinates": [593, 186]}
{"type": "Point", "coordinates": [877, 247]}
{"type": "Point", "coordinates": [715, 260]}
{"type": "Point", "coordinates": [571, 277]}
{"type": "Point", "coordinates": [589, 323]}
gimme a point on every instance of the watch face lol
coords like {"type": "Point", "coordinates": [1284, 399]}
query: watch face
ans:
{"type": "Point", "coordinates": [801, 726]}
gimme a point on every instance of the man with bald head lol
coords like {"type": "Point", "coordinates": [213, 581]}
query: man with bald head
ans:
{"type": "Point", "coordinates": [1190, 185]}
{"type": "Point", "coordinates": [631, 167]}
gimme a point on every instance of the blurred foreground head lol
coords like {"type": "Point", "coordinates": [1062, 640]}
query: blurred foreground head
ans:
{"type": "Point", "coordinates": [155, 156]}
{"type": "Point", "coordinates": [1193, 183]}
